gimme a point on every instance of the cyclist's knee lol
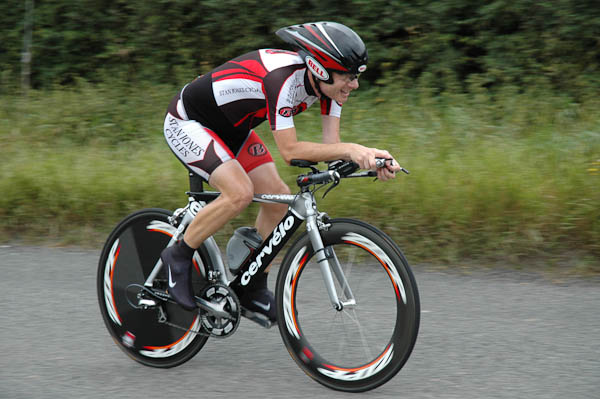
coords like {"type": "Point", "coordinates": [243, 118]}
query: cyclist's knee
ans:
{"type": "Point", "coordinates": [239, 195]}
{"type": "Point", "coordinates": [241, 199]}
{"type": "Point", "coordinates": [234, 184]}
{"type": "Point", "coordinates": [282, 188]}
{"type": "Point", "coordinates": [276, 186]}
{"type": "Point", "coordinates": [276, 209]}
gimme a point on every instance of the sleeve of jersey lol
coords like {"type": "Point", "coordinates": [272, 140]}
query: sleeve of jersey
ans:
{"type": "Point", "coordinates": [330, 107]}
{"type": "Point", "coordinates": [280, 90]}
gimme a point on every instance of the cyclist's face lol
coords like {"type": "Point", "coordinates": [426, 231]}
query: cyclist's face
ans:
{"type": "Point", "coordinates": [339, 90]}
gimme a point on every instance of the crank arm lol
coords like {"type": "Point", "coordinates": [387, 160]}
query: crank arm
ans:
{"type": "Point", "coordinates": [217, 310]}
{"type": "Point", "coordinates": [213, 309]}
{"type": "Point", "coordinates": [258, 318]}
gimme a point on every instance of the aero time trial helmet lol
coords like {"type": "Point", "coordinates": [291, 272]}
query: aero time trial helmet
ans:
{"type": "Point", "coordinates": [326, 47]}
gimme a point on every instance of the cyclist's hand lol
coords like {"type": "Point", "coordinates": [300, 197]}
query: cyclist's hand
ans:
{"type": "Point", "coordinates": [365, 157]}
{"type": "Point", "coordinates": [388, 171]}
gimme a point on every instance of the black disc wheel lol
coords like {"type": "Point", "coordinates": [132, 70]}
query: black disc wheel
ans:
{"type": "Point", "coordinates": [154, 332]}
{"type": "Point", "coordinates": [367, 340]}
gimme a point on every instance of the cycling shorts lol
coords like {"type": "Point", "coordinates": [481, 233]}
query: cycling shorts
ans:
{"type": "Point", "coordinates": [201, 150]}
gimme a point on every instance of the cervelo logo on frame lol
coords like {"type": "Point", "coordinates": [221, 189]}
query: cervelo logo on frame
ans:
{"type": "Point", "coordinates": [285, 197]}
{"type": "Point", "coordinates": [279, 232]}
{"type": "Point", "coordinates": [316, 68]}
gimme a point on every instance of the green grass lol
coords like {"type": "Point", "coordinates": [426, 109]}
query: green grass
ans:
{"type": "Point", "coordinates": [505, 176]}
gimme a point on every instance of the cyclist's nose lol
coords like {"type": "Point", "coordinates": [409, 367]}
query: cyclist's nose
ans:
{"type": "Point", "coordinates": [353, 84]}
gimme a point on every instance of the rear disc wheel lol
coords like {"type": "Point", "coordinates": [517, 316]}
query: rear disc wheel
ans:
{"type": "Point", "coordinates": [129, 256]}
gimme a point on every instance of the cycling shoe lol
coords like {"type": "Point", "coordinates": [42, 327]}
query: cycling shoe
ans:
{"type": "Point", "coordinates": [260, 301]}
{"type": "Point", "coordinates": [179, 274]}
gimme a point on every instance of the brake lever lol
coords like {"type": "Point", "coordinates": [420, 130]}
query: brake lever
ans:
{"type": "Point", "coordinates": [336, 181]}
{"type": "Point", "coordinates": [375, 173]}
{"type": "Point", "coordinates": [380, 163]}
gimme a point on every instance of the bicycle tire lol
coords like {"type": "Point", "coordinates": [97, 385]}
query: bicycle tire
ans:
{"type": "Point", "coordinates": [385, 291]}
{"type": "Point", "coordinates": [128, 257]}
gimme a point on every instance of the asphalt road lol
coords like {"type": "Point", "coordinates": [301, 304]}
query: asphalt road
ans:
{"type": "Point", "coordinates": [492, 334]}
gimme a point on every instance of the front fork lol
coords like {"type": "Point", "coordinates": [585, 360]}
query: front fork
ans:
{"type": "Point", "coordinates": [328, 261]}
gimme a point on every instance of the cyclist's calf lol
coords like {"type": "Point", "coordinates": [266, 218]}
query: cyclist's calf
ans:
{"type": "Point", "coordinates": [266, 180]}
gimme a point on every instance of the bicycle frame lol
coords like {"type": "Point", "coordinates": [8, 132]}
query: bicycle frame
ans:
{"type": "Point", "coordinates": [302, 207]}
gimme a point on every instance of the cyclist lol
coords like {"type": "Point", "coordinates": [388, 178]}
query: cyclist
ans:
{"type": "Point", "coordinates": [209, 125]}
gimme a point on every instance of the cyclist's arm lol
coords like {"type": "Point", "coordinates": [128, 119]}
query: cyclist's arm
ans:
{"type": "Point", "coordinates": [331, 129]}
{"type": "Point", "coordinates": [290, 148]}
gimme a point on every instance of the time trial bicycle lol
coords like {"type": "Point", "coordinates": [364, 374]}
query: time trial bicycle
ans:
{"type": "Point", "coordinates": [347, 302]}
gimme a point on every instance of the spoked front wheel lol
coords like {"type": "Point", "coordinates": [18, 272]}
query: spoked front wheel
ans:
{"type": "Point", "coordinates": [364, 344]}
{"type": "Point", "coordinates": [159, 336]}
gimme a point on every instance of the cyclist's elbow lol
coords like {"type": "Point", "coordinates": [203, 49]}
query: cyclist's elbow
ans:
{"type": "Point", "coordinates": [287, 144]}
{"type": "Point", "coordinates": [287, 157]}
{"type": "Point", "coordinates": [287, 153]}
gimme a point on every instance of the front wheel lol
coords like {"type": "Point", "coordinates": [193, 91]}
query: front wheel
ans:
{"type": "Point", "coordinates": [364, 344]}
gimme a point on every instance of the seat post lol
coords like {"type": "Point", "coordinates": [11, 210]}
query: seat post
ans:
{"type": "Point", "coordinates": [195, 183]}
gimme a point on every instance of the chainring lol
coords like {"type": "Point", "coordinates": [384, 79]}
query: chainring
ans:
{"type": "Point", "coordinates": [221, 327]}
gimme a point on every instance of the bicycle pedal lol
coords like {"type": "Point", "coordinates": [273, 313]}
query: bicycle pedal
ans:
{"type": "Point", "coordinates": [258, 318]}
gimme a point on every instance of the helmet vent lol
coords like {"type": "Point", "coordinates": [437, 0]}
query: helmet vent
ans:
{"type": "Point", "coordinates": [320, 26]}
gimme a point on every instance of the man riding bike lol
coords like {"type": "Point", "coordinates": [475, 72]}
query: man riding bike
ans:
{"type": "Point", "coordinates": [209, 125]}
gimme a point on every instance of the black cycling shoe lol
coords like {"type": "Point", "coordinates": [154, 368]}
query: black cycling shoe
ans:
{"type": "Point", "coordinates": [260, 301]}
{"type": "Point", "coordinates": [179, 273]}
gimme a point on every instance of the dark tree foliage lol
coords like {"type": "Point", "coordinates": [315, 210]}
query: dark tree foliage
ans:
{"type": "Point", "coordinates": [444, 44]}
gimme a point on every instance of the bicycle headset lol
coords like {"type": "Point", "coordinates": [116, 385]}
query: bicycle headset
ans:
{"type": "Point", "coordinates": [326, 47]}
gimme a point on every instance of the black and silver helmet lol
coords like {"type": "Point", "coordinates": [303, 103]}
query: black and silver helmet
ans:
{"type": "Point", "coordinates": [327, 47]}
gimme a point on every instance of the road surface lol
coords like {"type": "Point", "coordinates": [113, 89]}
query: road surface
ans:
{"type": "Point", "coordinates": [489, 334]}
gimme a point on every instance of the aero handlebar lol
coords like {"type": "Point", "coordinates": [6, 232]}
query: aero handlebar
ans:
{"type": "Point", "coordinates": [337, 170]}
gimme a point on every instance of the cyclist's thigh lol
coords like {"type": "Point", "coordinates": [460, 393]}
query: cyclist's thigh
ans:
{"type": "Point", "coordinates": [231, 179]}
{"type": "Point", "coordinates": [256, 160]}
{"type": "Point", "coordinates": [197, 147]}
{"type": "Point", "coordinates": [266, 180]}
{"type": "Point", "coordinates": [253, 153]}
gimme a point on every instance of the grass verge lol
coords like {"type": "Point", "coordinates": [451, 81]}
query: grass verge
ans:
{"type": "Point", "coordinates": [506, 176]}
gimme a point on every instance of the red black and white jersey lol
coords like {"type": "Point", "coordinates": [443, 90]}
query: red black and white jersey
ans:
{"type": "Point", "coordinates": [242, 93]}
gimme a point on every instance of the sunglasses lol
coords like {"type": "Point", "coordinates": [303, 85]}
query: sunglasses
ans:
{"type": "Point", "coordinates": [349, 77]}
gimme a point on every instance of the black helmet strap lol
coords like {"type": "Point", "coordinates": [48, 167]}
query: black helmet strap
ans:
{"type": "Point", "coordinates": [316, 85]}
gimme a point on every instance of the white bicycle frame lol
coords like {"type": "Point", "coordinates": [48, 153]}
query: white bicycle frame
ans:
{"type": "Point", "coordinates": [302, 207]}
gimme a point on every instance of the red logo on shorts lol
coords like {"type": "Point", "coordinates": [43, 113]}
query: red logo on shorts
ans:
{"type": "Point", "coordinates": [257, 150]}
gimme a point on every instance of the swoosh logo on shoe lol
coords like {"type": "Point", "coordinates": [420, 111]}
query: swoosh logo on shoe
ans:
{"type": "Point", "coordinates": [262, 305]}
{"type": "Point", "coordinates": [171, 283]}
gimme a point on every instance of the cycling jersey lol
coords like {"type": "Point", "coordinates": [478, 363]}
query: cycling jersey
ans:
{"type": "Point", "coordinates": [211, 120]}
{"type": "Point", "coordinates": [242, 93]}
